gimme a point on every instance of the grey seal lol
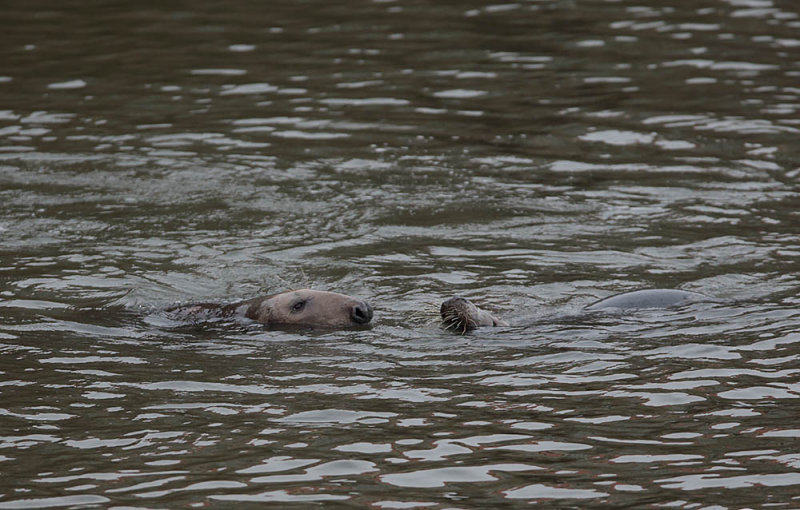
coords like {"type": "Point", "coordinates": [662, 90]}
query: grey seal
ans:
{"type": "Point", "coordinates": [304, 307]}
{"type": "Point", "coordinates": [461, 315]}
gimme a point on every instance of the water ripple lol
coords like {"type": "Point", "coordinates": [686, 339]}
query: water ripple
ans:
{"type": "Point", "coordinates": [534, 157]}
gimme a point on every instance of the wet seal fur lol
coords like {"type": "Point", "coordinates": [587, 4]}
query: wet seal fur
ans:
{"type": "Point", "coordinates": [460, 315]}
{"type": "Point", "coordinates": [303, 307]}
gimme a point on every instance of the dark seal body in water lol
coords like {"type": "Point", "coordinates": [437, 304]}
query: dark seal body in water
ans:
{"type": "Point", "coordinates": [304, 307]}
{"type": "Point", "coordinates": [461, 315]}
{"type": "Point", "coordinates": [647, 298]}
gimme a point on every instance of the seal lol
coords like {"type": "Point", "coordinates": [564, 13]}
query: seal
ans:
{"type": "Point", "coordinates": [461, 315]}
{"type": "Point", "coordinates": [647, 298]}
{"type": "Point", "coordinates": [304, 307]}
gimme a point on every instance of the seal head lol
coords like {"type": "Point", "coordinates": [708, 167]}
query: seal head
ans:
{"type": "Point", "coordinates": [307, 307]}
{"type": "Point", "coordinates": [459, 314]}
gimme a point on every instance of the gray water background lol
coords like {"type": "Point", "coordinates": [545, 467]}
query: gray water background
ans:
{"type": "Point", "coordinates": [534, 156]}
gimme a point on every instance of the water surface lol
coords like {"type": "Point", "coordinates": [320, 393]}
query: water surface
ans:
{"type": "Point", "coordinates": [534, 156]}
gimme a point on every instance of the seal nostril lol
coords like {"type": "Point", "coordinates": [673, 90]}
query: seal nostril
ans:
{"type": "Point", "coordinates": [362, 313]}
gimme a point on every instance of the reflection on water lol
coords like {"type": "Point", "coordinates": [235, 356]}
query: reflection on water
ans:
{"type": "Point", "coordinates": [533, 156]}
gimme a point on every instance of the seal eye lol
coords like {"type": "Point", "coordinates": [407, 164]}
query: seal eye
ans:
{"type": "Point", "coordinates": [298, 306]}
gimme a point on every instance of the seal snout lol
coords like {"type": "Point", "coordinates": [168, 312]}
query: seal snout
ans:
{"type": "Point", "coordinates": [361, 313]}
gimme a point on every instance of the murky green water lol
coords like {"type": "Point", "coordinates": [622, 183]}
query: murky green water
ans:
{"type": "Point", "coordinates": [533, 156]}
